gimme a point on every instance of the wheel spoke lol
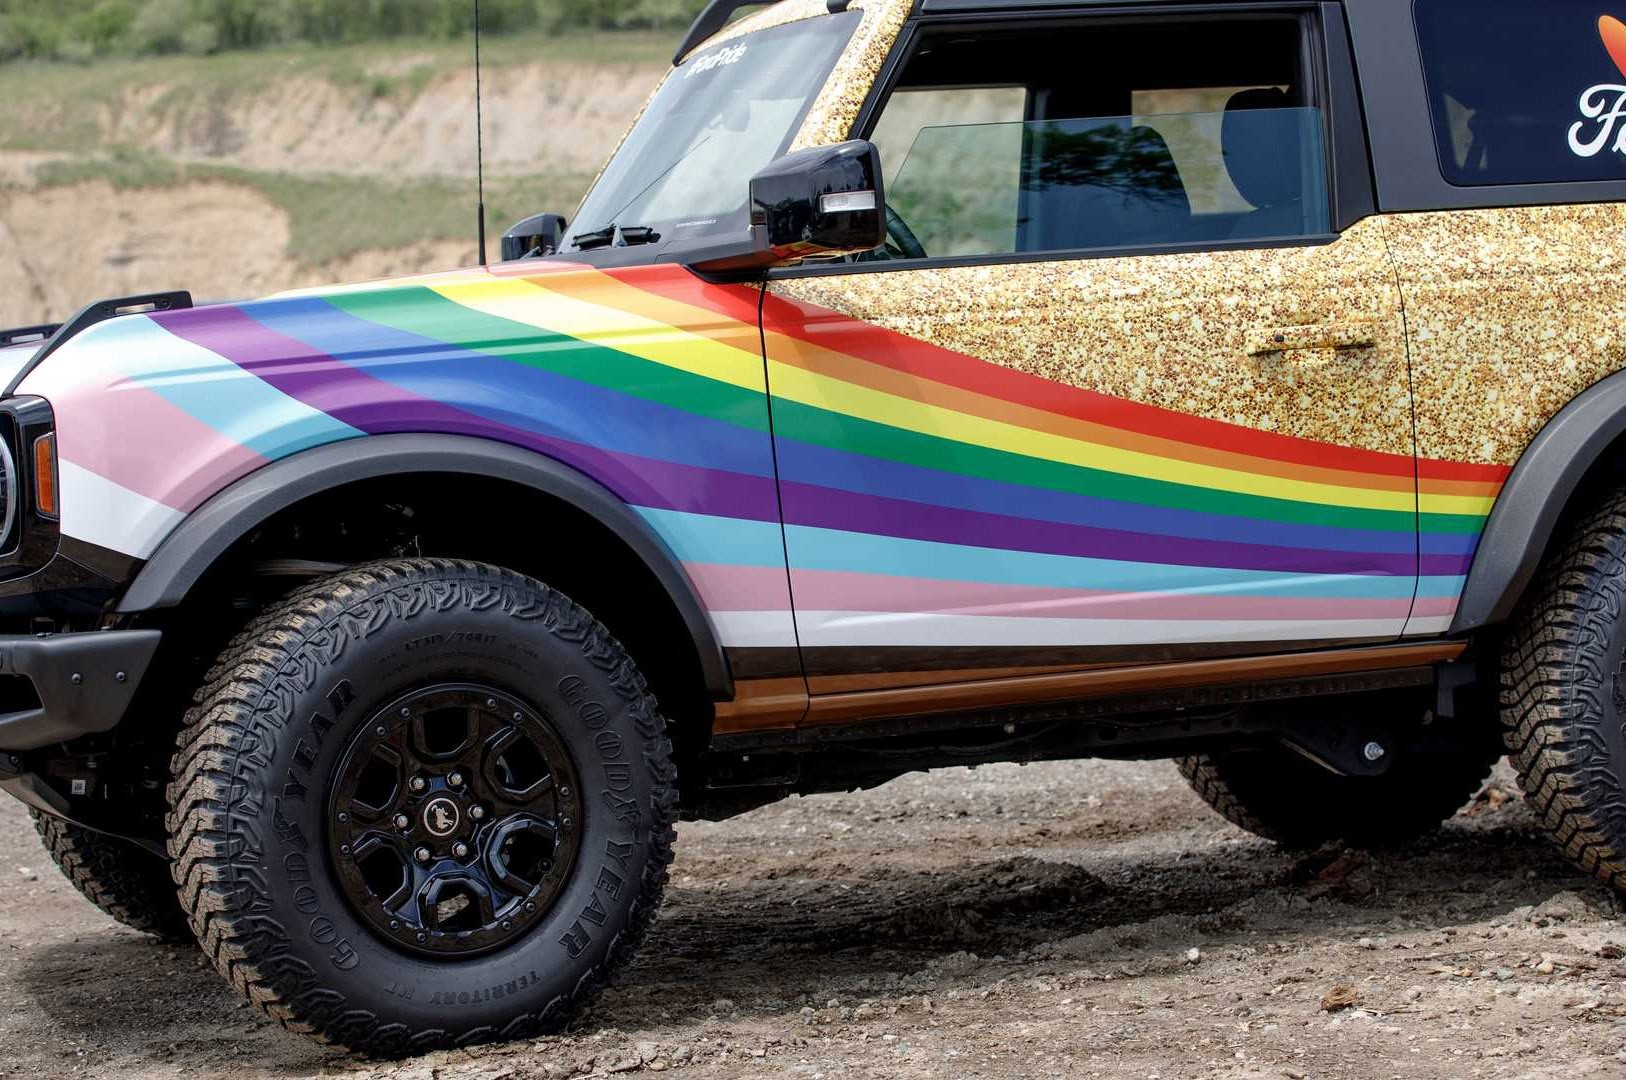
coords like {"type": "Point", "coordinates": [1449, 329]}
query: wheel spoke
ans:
{"type": "Point", "coordinates": [452, 819]}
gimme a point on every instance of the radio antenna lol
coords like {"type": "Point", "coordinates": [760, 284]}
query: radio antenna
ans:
{"type": "Point", "coordinates": [479, 139]}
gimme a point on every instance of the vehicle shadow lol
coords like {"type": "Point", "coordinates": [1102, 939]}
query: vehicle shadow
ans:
{"type": "Point", "coordinates": [775, 942]}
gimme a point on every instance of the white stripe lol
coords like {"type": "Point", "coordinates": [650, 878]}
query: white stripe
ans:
{"type": "Point", "coordinates": [754, 629]}
{"type": "Point", "coordinates": [848, 628]}
{"type": "Point", "coordinates": [98, 511]}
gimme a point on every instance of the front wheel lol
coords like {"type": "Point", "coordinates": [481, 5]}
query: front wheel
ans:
{"type": "Point", "coordinates": [422, 803]}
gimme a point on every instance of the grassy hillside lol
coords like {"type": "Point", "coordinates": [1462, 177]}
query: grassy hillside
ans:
{"type": "Point", "coordinates": [85, 29]}
{"type": "Point", "coordinates": [240, 173]}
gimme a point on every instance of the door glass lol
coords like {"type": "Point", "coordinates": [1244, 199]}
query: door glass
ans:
{"type": "Point", "coordinates": [1110, 136]}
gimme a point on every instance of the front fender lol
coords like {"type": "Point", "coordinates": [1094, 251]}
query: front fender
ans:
{"type": "Point", "coordinates": [211, 530]}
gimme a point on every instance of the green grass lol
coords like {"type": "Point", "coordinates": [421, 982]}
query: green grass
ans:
{"type": "Point", "coordinates": [58, 106]}
{"type": "Point", "coordinates": [331, 217]}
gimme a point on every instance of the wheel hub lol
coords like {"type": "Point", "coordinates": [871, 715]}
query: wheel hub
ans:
{"type": "Point", "coordinates": [453, 820]}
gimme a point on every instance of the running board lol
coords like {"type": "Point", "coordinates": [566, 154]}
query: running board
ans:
{"type": "Point", "coordinates": [774, 711]}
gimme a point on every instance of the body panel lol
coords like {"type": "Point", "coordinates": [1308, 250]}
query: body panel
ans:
{"type": "Point", "coordinates": [1076, 461]}
{"type": "Point", "coordinates": [648, 380]}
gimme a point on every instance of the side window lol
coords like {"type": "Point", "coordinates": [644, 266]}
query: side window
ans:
{"type": "Point", "coordinates": [1525, 93]}
{"type": "Point", "coordinates": [1100, 134]}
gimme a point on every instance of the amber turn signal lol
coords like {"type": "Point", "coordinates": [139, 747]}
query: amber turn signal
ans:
{"type": "Point", "coordinates": [45, 475]}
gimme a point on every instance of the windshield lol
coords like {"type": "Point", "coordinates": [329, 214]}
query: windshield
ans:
{"type": "Point", "coordinates": [720, 117]}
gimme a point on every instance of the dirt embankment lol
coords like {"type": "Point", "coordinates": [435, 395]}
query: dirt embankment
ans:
{"type": "Point", "coordinates": [1062, 920]}
{"type": "Point", "coordinates": [62, 247]}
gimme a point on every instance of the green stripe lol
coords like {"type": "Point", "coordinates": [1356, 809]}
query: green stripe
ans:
{"type": "Point", "coordinates": [794, 420]}
{"type": "Point", "coordinates": [429, 314]}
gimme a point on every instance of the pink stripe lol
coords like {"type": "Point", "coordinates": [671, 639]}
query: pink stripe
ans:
{"type": "Point", "coordinates": [740, 588]}
{"type": "Point", "coordinates": [1434, 605]}
{"type": "Point", "coordinates": [133, 437]}
{"type": "Point", "coordinates": [828, 590]}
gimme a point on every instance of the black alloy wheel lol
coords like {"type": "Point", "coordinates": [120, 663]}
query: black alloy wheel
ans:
{"type": "Point", "coordinates": [453, 819]}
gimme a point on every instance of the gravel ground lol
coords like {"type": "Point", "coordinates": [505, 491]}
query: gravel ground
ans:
{"type": "Point", "coordinates": [1057, 920]}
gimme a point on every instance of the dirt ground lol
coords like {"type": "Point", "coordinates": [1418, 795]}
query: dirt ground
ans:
{"type": "Point", "coordinates": [1059, 920]}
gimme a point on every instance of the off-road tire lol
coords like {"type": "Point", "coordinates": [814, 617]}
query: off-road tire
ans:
{"type": "Point", "coordinates": [1563, 692]}
{"type": "Point", "coordinates": [249, 857]}
{"type": "Point", "coordinates": [1278, 794]}
{"type": "Point", "coordinates": [131, 885]}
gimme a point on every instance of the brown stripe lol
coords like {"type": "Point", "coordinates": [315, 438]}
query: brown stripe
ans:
{"type": "Point", "coordinates": [762, 705]}
{"type": "Point", "coordinates": [889, 680]}
{"type": "Point", "coordinates": [773, 704]}
{"type": "Point", "coordinates": [1082, 685]}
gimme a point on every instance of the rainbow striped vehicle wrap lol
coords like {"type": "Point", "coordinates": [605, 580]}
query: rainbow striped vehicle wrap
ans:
{"type": "Point", "coordinates": [886, 496]}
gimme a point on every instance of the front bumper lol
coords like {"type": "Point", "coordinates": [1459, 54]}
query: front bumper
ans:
{"type": "Point", "coordinates": [58, 687]}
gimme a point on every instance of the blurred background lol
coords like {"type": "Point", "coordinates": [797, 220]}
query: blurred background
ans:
{"type": "Point", "coordinates": [237, 147]}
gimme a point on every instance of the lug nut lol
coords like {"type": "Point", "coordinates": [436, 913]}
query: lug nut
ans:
{"type": "Point", "coordinates": [416, 783]}
{"type": "Point", "coordinates": [456, 779]}
{"type": "Point", "coordinates": [422, 854]}
{"type": "Point", "coordinates": [477, 812]}
{"type": "Point", "coordinates": [460, 849]}
{"type": "Point", "coordinates": [343, 817]}
{"type": "Point", "coordinates": [1373, 751]}
{"type": "Point", "coordinates": [402, 821]}
{"type": "Point", "coordinates": [491, 703]}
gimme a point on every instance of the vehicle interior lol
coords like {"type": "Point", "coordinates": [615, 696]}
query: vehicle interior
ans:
{"type": "Point", "coordinates": [1103, 133]}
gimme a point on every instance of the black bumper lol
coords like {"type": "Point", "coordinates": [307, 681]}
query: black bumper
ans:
{"type": "Point", "coordinates": [81, 684]}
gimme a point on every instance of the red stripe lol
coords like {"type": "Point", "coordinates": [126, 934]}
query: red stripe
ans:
{"type": "Point", "coordinates": [840, 333]}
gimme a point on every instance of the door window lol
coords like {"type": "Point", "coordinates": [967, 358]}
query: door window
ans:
{"type": "Point", "coordinates": [1110, 134]}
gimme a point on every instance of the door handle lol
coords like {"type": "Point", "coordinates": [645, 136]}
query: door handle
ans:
{"type": "Point", "coordinates": [1315, 336]}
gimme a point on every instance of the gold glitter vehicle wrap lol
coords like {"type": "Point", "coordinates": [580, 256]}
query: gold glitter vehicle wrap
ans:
{"type": "Point", "coordinates": [1513, 312]}
{"type": "Point", "coordinates": [1192, 333]}
{"type": "Point", "coordinates": [836, 109]}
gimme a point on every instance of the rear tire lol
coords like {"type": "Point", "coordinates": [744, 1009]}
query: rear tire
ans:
{"type": "Point", "coordinates": [1278, 794]}
{"type": "Point", "coordinates": [130, 884]}
{"type": "Point", "coordinates": [376, 821]}
{"type": "Point", "coordinates": [1564, 694]}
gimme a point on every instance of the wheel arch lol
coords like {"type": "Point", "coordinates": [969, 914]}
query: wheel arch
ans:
{"type": "Point", "coordinates": [1584, 444]}
{"type": "Point", "coordinates": [215, 529]}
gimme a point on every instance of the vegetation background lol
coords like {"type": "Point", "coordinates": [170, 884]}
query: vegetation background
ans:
{"type": "Point", "coordinates": [241, 147]}
{"type": "Point", "coordinates": [86, 29]}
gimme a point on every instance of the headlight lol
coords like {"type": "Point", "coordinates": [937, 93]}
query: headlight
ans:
{"type": "Point", "coordinates": [8, 497]}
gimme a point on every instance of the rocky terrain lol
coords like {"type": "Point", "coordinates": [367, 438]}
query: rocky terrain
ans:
{"type": "Point", "coordinates": [1059, 920]}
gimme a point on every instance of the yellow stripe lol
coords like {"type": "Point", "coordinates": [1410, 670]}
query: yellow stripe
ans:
{"type": "Point", "coordinates": [822, 392]}
{"type": "Point", "coordinates": [529, 301]}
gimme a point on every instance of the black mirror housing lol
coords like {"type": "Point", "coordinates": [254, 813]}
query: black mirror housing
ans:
{"type": "Point", "coordinates": [538, 235]}
{"type": "Point", "coordinates": [825, 201]}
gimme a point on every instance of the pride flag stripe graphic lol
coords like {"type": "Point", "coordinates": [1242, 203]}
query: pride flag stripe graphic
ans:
{"type": "Point", "coordinates": [930, 498]}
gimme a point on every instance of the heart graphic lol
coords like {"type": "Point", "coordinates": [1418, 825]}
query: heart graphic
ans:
{"type": "Point", "coordinates": [1613, 32]}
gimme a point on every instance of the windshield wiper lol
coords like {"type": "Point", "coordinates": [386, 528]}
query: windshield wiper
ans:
{"type": "Point", "coordinates": [629, 236]}
{"type": "Point", "coordinates": [598, 238]}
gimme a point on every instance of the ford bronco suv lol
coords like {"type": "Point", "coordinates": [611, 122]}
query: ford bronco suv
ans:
{"type": "Point", "coordinates": [923, 383]}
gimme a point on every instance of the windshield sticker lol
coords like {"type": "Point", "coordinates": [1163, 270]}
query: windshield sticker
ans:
{"type": "Point", "coordinates": [721, 58]}
{"type": "Point", "coordinates": [1604, 105]}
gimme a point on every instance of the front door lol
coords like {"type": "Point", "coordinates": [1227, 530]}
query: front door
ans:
{"type": "Point", "coordinates": [1114, 392]}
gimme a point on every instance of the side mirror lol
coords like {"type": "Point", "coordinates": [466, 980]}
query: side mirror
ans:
{"type": "Point", "coordinates": [538, 235]}
{"type": "Point", "coordinates": [826, 201]}
{"type": "Point", "coordinates": [823, 201]}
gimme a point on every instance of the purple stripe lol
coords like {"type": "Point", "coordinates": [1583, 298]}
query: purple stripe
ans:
{"type": "Point", "coordinates": [829, 508]}
{"type": "Point", "coordinates": [377, 407]}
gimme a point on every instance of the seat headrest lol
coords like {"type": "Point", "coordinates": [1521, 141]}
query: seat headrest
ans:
{"type": "Point", "coordinates": [1261, 147]}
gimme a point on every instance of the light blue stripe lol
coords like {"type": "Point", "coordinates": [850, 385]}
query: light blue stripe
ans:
{"type": "Point", "coordinates": [827, 549]}
{"type": "Point", "coordinates": [701, 538]}
{"type": "Point", "coordinates": [213, 390]}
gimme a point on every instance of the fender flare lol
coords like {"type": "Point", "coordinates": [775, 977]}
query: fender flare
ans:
{"type": "Point", "coordinates": [210, 531]}
{"type": "Point", "coordinates": [1527, 512]}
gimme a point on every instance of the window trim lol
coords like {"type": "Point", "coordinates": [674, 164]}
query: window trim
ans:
{"type": "Point", "coordinates": [1329, 77]}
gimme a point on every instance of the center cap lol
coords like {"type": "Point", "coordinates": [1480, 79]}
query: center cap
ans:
{"type": "Point", "coordinates": [440, 817]}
